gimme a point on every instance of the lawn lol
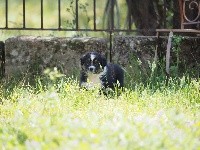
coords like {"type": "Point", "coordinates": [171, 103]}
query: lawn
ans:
{"type": "Point", "coordinates": [53, 113]}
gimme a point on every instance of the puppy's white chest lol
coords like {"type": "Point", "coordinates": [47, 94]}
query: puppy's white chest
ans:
{"type": "Point", "coordinates": [93, 79]}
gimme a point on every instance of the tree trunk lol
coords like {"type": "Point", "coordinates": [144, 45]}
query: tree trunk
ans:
{"type": "Point", "coordinates": [176, 16]}
{"type": "Point", "coordinates": [143, 15]}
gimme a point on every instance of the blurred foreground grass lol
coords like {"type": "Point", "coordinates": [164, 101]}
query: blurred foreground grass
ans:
{"type": "Point", "coordinates": [56, 114]}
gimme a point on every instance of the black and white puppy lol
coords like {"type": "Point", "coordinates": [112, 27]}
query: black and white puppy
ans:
{"type": "Point", "coordinates": [95, 71]}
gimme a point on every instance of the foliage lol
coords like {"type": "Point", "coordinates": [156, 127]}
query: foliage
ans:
{"type": "Point", "coordinates": [54, 113]}
{"type": "Point", "coordinates": [176, 41]}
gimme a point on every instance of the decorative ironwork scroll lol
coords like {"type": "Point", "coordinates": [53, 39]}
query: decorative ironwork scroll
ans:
{"type": "Point", "coordinates": [190, 12]}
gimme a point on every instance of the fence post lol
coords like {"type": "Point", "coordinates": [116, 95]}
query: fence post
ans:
{"type": "Point", "coordinates": [59, 14]}
{"type": "Point", "coordinates": [24, 14]}
{"type": "Point", "coordinates": [77, 15]}
{"type": "Point", "coordinates": [111, 28]}
{"type": "Point", "coordinates": [41, 14]}
{"type": "Point", "coordinates": [6, 14]}
{"type": "Point", "coordinates": [2, 57]}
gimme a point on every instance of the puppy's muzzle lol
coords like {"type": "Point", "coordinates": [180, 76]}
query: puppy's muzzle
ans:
{"type": "Point", "coordinates": [92, 68]}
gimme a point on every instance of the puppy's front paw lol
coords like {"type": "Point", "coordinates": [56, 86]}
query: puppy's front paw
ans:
{"type": "Point", "coordinates": [84, 85]}
{"type": "Point", "coordinates": [87, 86]}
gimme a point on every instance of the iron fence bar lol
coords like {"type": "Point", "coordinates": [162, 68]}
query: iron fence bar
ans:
{"type": "Point", "coordinates": [6, 15]}
{"type": "Point", "coordinates": [189, 23]}
{"type": "Point", "coordinates": [77, 19]}
{"type": "Point", "coordinates": [129, 17]}
{"type": "Point", "coordinates": [112, 14]}
{"type": "Point", "coordinates": [191, 5]}
{"type": "Point", "coordinates": [64, 29]}
{"type": "Point", "coordinates": [94, 14]}
{"type": "Point", "coordinates": [2, 69]}
{"type": "Point", "coordinates": [165, 4]}
{"type": "Point", "coordinates": [59, 14]}
{"type": "Point", "coordinates": [3, 61]}
{"type": "Point", "coordinates": [111, 40]}
{"type": "Point", "coordinates": [181, 12]}
{"type": "Point", "coordinates": [111, 28]}
{"type": "Point", "coordinates": [24, 14]}
{"type": "Point", "coordinates": [42, 14]}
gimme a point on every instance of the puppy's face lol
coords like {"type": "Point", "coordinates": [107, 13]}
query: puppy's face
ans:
{"type": "Point", "coordinates": [93, 62]}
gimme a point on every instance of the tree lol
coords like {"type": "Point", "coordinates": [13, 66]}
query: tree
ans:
{"type": "Point", "coordinates": [148, 15]}
{"type": "Point", "coordinates": [143, 14]}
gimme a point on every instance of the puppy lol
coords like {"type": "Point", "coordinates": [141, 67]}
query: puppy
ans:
{"type": "Point", "coordinates": [96, 72]}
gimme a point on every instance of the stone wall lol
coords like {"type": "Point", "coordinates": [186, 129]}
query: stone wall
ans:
{"type": "Point", "coordinates": [34, 54]}
{"type": "Point", "coordinates": [127, 46]}
{"type": "Point", "coordinates": [134, 53]}
{"type": "Point", "coordinates": [138, 53]}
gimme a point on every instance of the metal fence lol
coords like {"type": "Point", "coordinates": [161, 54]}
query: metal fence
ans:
{"type": "Point", "coordinates": [112, 29]}
{"type": "Point", "coordinates": [109, 30]}
{"type": "Point", "coordinates": [59, 27]}
{"type": "Point", "coordinates": [185, 15]}
{"type": "Point", "coordinates": [189, 8]}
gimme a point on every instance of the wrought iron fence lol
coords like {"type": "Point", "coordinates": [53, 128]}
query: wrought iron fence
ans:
{"type": "Point", "coordinates": [190, 12]}
{"type": "Point", "coordinates": [77, 28]}
{"type": "Point", "coordinates": [110, 30]}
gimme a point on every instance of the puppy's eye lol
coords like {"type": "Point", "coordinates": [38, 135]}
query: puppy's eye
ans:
{"type": "Point", "coordinates": [88, 62]}
{"type": "Point", "coordinates": [95, 61]}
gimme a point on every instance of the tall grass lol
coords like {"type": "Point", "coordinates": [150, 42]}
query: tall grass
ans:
{"type": "Point", "coordinates": [52, 112]}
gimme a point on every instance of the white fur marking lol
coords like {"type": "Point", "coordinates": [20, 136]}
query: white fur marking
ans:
{"type": "Point", "coordinates": [93, 79]}
{"type": "Point", "coordinates": [92, 57]}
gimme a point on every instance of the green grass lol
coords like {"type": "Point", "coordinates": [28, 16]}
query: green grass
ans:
{"type": "Point", "coordinates": [55, 114]}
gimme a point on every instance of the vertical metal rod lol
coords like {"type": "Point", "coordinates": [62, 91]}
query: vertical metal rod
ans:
{"type": "Point", "coordinates": [2, 47]}
{"type": "Point", "coordinates": [6, 15]}
{"type": "Point", "coordinates": [112, 14]}
{"type": "Point", "coordinates": [94, 14]}
{"type": "Point", "coordinates": [181, 12]}
{"type": "Point", "coordinates": [111, 28]}
{"type": "Point", "coordinates": [110, 51]}
{"type": "Point", "coordinates": [59, 14]}
{"type": "Point", "coordinates": [76, 14]}
{"type": "Point", "coordinates": [3, 61]}
{"type": "Point", "coordinates": [24, 14]}
{"type": "Point", "coordinates": [129, 17]}
{"type": "Point", "coordinates": [165, 15]}
{"type": "Point", "coordinates": [41, 14]}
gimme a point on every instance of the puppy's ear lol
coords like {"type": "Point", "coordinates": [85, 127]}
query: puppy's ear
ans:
{"type": "Point", "coordinates": [82, 59]}
{"type": "Point", "coordinates": [103, 61]}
